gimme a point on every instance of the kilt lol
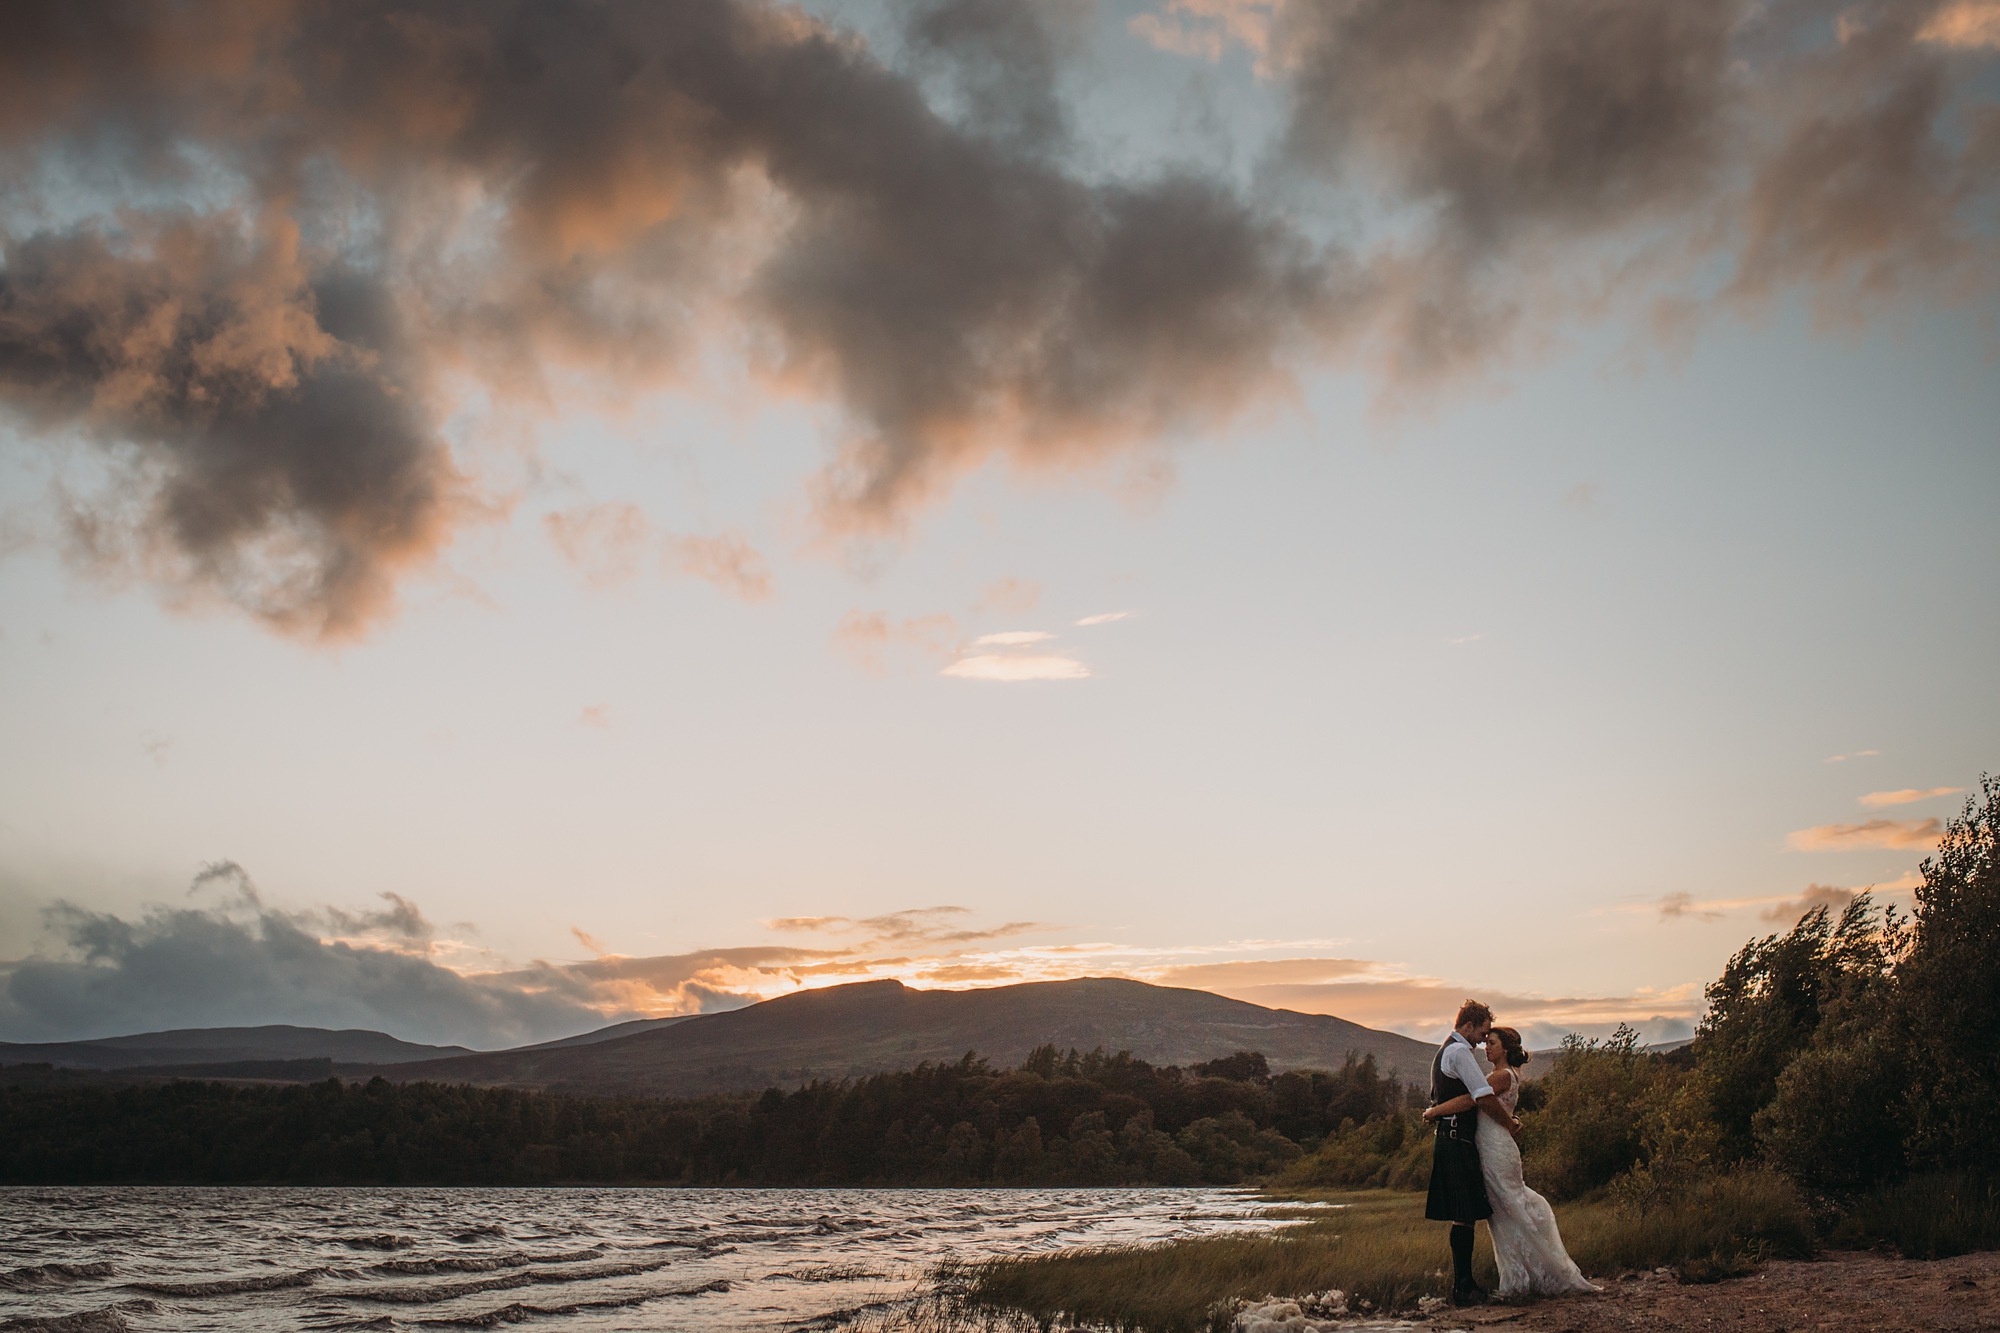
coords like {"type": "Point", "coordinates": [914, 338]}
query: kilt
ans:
{"type": "Point", "coordinates": [1458, 1190]}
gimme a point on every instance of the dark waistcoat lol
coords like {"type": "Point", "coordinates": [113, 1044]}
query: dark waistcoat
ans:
{"type": "Point", "coordinates": [1443, 1088]}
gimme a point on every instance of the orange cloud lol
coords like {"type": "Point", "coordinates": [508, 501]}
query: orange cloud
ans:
{"type": "Point", "coordinates": [1225, 977]}
{"type": "Point", "coordinates": [1893, 833]}
{"type": "Point", "coordinates": [1968, 25]}
{"type": "Point", "coordinates": [1907, 795]}
{"type": "Point", "coordinates": [1426, 1005]}
{"type": "Point", "coordinates": [930, 925]}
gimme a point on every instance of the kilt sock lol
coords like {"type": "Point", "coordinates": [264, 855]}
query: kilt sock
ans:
{"type": "Point", "coordinates": [1461, 1257]}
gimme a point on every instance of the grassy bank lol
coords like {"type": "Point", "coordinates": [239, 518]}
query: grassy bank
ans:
{"type": "Point", "coordinates": [1376, 1246]}
{"type": "Point", "coordinates": [1927, 1217]}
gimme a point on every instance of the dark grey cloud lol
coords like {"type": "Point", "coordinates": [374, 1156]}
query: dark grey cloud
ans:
{"type": "Point", "coordinates": [1508, 114]}
{"type": "Point", "coordinates": [1553, 151]}
{"type": "Point", "coordinates": [1001, 61]}
{"type": "Point", "coordinates": [248, 248]}
{"type": "Point", "coordinates": [416, 188]}
{"type": "Point", "coordinates": [237, 961]}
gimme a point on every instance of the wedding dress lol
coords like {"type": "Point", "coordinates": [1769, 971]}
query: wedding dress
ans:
{"type": "Point", "coordinates": [1527, 1248]}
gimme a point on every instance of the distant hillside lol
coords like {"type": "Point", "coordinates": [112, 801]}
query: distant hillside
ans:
{"type": "Point", "coordinates": [214, 1046]}
{"type": "Point", "coordinates": [876, 1026]}
{"type": "Point", "coordinates": [611, 1033]}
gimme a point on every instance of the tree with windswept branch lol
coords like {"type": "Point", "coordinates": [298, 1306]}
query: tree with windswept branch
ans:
{"type": "Point", "coordinates": [1948, 995]}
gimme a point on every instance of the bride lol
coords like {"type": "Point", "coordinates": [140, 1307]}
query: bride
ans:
{"type": "Point", "coordinates": [1527, 1248]}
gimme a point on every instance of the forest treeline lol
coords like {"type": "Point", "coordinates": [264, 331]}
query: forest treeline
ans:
{"type": "Point", "coordinates": [1849, 1057]}
{"type": "Point", "coordinates": [1059, 1119]}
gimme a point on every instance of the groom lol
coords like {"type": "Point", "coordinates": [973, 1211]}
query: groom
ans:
{"type": "Point", "coordinates": [1458, 1190]}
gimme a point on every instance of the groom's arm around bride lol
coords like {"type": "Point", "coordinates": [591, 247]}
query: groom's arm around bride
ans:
{"type": "Point", "coordinates": [1458, 1189]}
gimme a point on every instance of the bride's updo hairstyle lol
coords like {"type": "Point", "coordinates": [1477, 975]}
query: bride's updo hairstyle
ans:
{"type": "Point", "coordinates": [1510, 1041]}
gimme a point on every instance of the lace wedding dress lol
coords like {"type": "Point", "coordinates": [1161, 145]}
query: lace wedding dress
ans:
{"type": "Point", "coordinates": [1527, 1248]}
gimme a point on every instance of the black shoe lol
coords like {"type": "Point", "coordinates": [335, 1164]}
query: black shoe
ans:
{"type": "Point", "coordinates": [1469, 1294]}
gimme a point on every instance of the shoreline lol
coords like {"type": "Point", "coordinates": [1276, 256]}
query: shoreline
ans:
{"type": "Point", "coordinates": [1855, 1289]}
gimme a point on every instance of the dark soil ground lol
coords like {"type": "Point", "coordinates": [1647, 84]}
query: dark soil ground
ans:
{"type": "Point", "coordinates": [1839, 1291]}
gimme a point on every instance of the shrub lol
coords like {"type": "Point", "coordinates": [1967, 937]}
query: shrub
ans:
{"type": "Point", "coordinates": [1834, 1122]}
{"type": "Point", "coordinates": [1588, 1130]}
{"type": "Point", "coordinates": [1391, 1150]}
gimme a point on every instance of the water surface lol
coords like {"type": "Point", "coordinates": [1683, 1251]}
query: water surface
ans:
{"type": "Point", "coordinates": [575, 1259]}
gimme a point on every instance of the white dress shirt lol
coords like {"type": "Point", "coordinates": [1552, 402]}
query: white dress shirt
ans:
{"type": "Point", "coordinates": [1460, 1063]}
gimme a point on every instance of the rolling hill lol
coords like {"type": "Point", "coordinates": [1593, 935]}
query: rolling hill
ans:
{"type": "Point", "coordinates": [214, 1046]}
{"type": "Point", "coordinates": [875, 1026]}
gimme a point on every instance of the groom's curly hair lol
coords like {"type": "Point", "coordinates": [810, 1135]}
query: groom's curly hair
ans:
{"type": "Point", "coordinates": [1472, 1011]}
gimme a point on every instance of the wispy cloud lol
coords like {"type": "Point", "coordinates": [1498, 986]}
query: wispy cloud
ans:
{"type": "Point", "coordinates": [868, 638]}
{"type": "Point", "coordinates": [614, 542]}
{"type": "Point", "coordinates": [927, 925]}
{"type": "Point", "coordinates": [1011, 668]}
{"type": "Point", "coordinates": [1009, 594]}
{"type": "Point", "coordinates": [1907, 795]}
{"type": "Point", "coordinates": [1104, 618]}
{"type": "Point", "coordinates": [727, 560]}
{"type": "Point", "coordinates": [607, 544]}
{"type": "Point", "coordinates": [1858, 754]}
{"type": "Point", "coordinates": [594, 715]}
{"type": "Point", "coordinates": [1885, 833]}
{"type": "Point", "coordinates": [1012, 638]}
{"type": "Point", "coordinates": [1777, 907]}
{"type": "Point", "coordinates": [1674, 906]}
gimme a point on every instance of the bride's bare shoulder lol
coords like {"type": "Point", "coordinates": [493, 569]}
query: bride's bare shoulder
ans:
{"type": "Point", "coordinates": [1501, 1080]}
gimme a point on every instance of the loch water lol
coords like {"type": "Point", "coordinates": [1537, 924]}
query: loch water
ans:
{"type": "Point", "coordinates": [259, 1259]}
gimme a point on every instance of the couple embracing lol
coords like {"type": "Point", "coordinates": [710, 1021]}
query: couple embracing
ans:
{"type": "Point", "coordinates": [1476, 1166]}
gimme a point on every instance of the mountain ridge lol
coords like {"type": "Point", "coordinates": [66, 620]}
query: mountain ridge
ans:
{"type": "Point", "coordinates": [878, 1026]}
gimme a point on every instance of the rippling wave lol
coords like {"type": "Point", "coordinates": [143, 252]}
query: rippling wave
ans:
{"type": "Point", "coordinates": [141, 1260]}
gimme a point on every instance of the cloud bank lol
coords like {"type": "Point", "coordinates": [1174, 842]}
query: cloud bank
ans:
{"type": "Point", "coordinates": [235, 960]}
{"type": "Point", "coordinates": [242, 962]}
{"type": "Point", "coordinates": [258, 253]}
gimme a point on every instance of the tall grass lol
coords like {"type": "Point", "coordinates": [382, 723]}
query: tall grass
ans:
{"type": "Point", "coordinates": [1378, 1247]}
{"type": "Point", "coordinates": [1926, 1217]}
{"type": "Point", "coordinates": [1717, 1227]}
{"type": "Point", "coordinates": [1375, 1247]}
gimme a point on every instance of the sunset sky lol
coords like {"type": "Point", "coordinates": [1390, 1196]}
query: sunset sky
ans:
{"type": "Point", "coordinates": [519, 516]}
